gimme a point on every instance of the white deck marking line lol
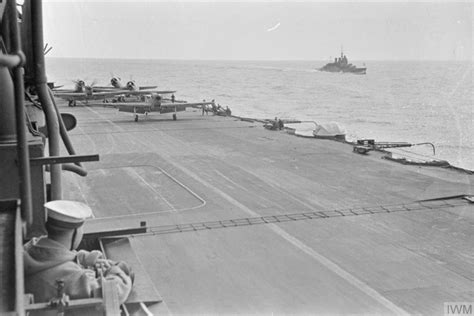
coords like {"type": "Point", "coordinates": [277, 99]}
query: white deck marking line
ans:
{"type": "Point", "coordinates": [272, 185]}
{"type": "Point", "coordinates": [145, 309]}
{"type": "Point", "coordinates": [105, 119]}
{"type": "Point", "coordinates": [288, 194]}
{"type": "Point", "coordinates": [83, 133]}
{"type": "Point", "coordinates": [108, 121]}
{"type": "Point", "coordinates": [179, 183]}
{"type": "Point", "coordinates": [310, 207]}
{"type": "Point", "coordinates": [231, 181]}
{"type": "Point", "coordinates": [299, 244]}
{"type": "Point", "coordinates": [203, 202]}
{"type": "Point", "coordinates": [131, 171]}
{"type": "Point", "coordinates": [185, 187]}
{"type": "Point", "coordinates": [365, 288]}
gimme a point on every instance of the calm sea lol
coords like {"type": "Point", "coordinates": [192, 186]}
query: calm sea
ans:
{"type": "Point", "coordinates": [395, 101]}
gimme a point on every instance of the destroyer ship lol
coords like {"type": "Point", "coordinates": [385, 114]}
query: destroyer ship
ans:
{"type": "Point", "coordinates": [250, 222]}
{"type": "Point", "coordinates": [341, 64]}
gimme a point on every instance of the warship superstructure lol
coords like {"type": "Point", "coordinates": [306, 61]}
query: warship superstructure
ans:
{"type": "Point", "coordinates": [341, 64]}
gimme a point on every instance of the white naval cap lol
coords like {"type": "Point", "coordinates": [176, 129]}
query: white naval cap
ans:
{"type": "Point", "coordinates": [67, 214]}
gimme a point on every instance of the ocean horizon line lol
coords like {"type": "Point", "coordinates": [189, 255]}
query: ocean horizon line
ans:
{"type": "Point", "coordinates": [257, 60]}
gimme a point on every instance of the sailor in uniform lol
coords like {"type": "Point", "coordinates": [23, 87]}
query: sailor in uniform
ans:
{"type": "Point", "coordinates": [51, 258]}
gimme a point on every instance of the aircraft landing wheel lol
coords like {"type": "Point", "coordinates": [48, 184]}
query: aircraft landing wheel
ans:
{"type": "Point", "coordinates": [69, 103]}
{"type": "Point", "coordinates": [136, 118]}
{"type": "Point", "coordinates": [175, 117]}
{"type": "Point", "coordinates": [74, 103]}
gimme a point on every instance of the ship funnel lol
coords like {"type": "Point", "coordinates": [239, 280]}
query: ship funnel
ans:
{"type": "Point", "coordinates": [7, 107]}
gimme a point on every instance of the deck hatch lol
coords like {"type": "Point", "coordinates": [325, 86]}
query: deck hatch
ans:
{"type": "Point", "coordinates": [136, 190]}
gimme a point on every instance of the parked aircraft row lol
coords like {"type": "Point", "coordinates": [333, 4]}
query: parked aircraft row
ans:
{"type": "Point", "coordinates": [127, 97]}
{"type": "Point", "coordinates": [85, 93]}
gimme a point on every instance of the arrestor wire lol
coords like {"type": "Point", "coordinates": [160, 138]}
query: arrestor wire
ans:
{"type": "Point", "coordinates": [437, 204]}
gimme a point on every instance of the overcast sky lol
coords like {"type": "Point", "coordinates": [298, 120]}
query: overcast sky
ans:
{"type": "Point", "coordinates": [260, 30]}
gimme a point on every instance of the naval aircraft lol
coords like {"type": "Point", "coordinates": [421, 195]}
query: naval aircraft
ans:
{"type": "Point", "coordinates": [79, 86]}
{"type": "Point", "coordinates": [85, 93]}
{"type": "Point", "coordinates": [131, 85]}
{"type": "Point", "coordinates": [80, 92]}
{"type": "Point", "coordinates": [153, 104]}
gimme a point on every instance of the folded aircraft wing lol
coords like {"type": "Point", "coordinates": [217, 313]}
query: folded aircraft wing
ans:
{"type": "Point", "coordinates": [71, 95]}
{"type": "Point", "coordinates": [109, 88]}
{"type": "Point", "coordinates": [135, 107]}
{"type": "Point", "coordinates": [144, 107]}
{"type": "Point", "coordinates": [63, 90]}
{"type": "Point", "coordinates": [104, 89]}
{"type": "Point", "coordinates": [173, 107]}
{"type": "Point", "coordinates": [143, 92]}
{"type": "Point", "coordinates": [194, 104]}
{"type": "Point", "coordinates": [85, 96]}
{"type": "Point", "coordinates": [115, 92]}
{"type": "Point", "coordinates": [177, 107]}
{"type": "Point", "coordinates": [68, 94]}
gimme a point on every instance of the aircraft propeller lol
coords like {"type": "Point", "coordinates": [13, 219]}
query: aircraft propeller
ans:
{"type": "Point", "coordinates": [80, 86]}
{"type": "Point", "coordinates": [131, 85]}
{"type": "Point", "coordinates": [115, 82]}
